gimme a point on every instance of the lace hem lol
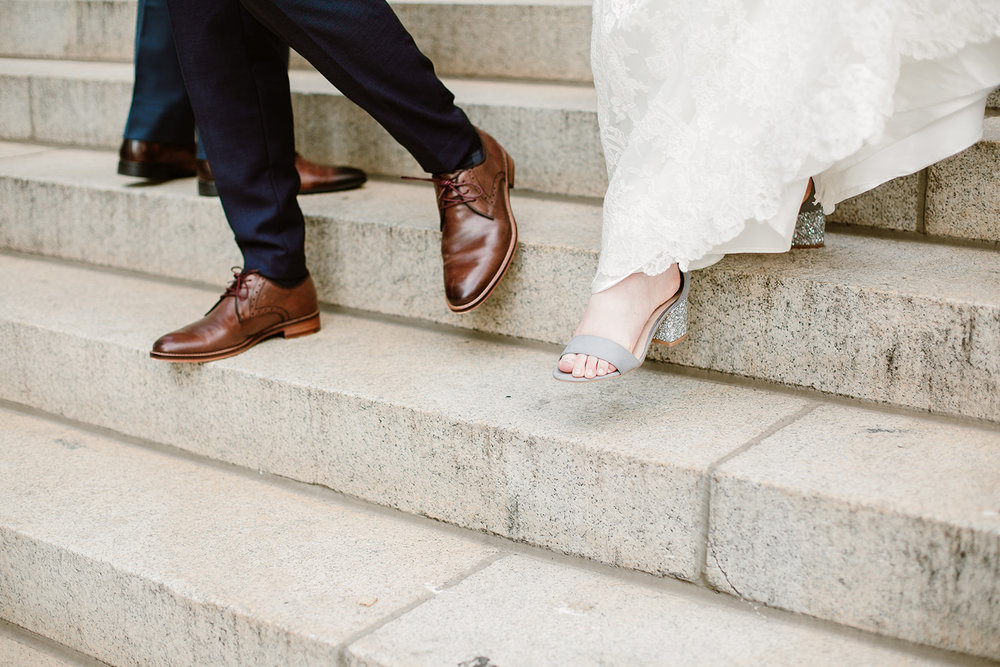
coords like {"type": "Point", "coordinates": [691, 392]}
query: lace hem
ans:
{"type": "Point", "coordinates": [709, 110]}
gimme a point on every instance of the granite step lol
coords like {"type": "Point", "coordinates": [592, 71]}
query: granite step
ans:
{"type": "Point", "coordinates": [551, 129]}
{"type": "Point", "coordinates": [20, 648]}
{"type": "Point", "coordinates": [881, 521]}
{"type": "Point", "coordinates": [955, 199]}
{"type": "Point", "coordinates": [523, 39]}
{"type": "Point", "coordinates": [864, 317]}
{"type": "Point", "coordinates": [137, 555]}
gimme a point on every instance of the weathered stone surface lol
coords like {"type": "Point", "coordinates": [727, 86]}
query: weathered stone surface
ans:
{"type": "Point", "coordinates": [9, 150]}
{"type": "Point", "coordinates": [14, 653]}
{"type": "Point", "coordinates": [76, 103]}
{"type": "Point", "coordinates": [15, 107]}
{"type": "Point", "coordinates": [138, 557]}
{"type": "Point", "coordinates": [861, 317]}
{"type": "Point", "coordinates": [80, 29]}
{"type": "Point", "coordinates": [543, 39]}
{"type": "Point", "coordinates": [522, 611]}
{"type": "Point", "coordinates": [549, 129]}
{"type": "Point", "coordinates": [472, 432]}
{"type": "Point", "coordinates": [963, 192]}
{"type": "Point", "coordinates": [547, 39]}
{"type": "Point", "coordinates": [882, 522]}
{"type": "Point", "coordinates": [892, 205]}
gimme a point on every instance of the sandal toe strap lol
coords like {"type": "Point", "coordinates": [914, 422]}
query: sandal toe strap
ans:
{"type": "Point", "coordinates": [610, 351]}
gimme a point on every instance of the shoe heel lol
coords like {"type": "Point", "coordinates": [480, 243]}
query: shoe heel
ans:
{"type": "Point", "coordinates": [673, 328]}
{"type": "Point", "coordinates": [810, 226]}
{"type": "Point", "coordinates": [303, 328]}
{"type": "Point", "coordinates": [510, 173]}
{"type": "Point", "coordinates": [207, 188]}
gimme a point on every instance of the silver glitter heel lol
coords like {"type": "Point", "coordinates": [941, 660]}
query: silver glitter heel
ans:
{"type": "Point", "coordinates": [810, 227]}
{"type": "Point", "coordinates": [667, 325]}
{"type": "Point", "coordinates": [674, 327]}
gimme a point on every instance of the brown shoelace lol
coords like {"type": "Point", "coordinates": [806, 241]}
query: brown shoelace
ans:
{"type": "Point", "coordinates": [236, 288]}
{"type": "Point", "coordinates": [452, 193]}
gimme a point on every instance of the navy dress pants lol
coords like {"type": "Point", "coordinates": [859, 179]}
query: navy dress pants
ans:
{"type": "Point", "coordinates": [231, 56]}
{"type": "Point", "coordinates": [161, 111]}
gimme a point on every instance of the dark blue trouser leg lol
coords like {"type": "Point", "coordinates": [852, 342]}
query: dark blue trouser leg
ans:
{"type": "Point", "coordinates": [237, 77]}
{"type": "Point", "coordinates": [161, 111]}
{"type": "Point", "coordinates": [239, 89]}
{"type": "Point", "coordinates": [363, 49]}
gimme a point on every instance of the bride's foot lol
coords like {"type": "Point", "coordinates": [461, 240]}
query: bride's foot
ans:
{"type": "Point", "coordinates": [619, 314]}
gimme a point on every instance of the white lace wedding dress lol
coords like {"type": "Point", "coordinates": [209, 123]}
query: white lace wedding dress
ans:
{"type": "Point", "coordinates": [714, 113]}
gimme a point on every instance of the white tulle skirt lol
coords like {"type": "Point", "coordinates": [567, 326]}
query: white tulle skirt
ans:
{"type": "Point", "coordinates": [715, 113]}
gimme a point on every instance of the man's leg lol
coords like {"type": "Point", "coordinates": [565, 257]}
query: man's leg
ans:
{"type": "Point", "coordinates": [363, 49]}
{"type": "Point", "coordinates": [239, 91]}
{"type": "Point", "coordinates": [237, 79]}
{"type": "Point", "coordinates": [159, 133]}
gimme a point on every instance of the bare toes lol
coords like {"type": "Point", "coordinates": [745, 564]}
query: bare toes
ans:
{"type": "Point", "coordinates": [566, 363]}
{"type": "Point", "coordinates": [591, 368]}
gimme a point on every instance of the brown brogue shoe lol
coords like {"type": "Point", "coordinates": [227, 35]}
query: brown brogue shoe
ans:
{"type": "Point", "coordinates": [251, 309]}
{"type": "Point", "coordinates": [478, 232]}
{"type": "Point", "coordinates": [313, 178]}
{"type": "Point", "coordinates": [155, 161]}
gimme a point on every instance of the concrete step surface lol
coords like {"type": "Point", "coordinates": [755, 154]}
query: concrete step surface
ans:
{"type": "Point", "coordinates": [880, 521]}
{"type": "Point", "coordinates": [550, 129]}
{"type": "Point", "coordinates": [138, 555]}
{"type": "Point", "coordinates": [20, 648]}
{"type": "Point", "coordinates": [957, 198]}
{"type": "Point", "coordinates": [521, 39]}
{"type": "Point", "coordinates": [866, 318]}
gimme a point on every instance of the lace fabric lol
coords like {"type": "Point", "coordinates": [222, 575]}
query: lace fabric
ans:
{"type": "Point", "coordinates": [713, 113]}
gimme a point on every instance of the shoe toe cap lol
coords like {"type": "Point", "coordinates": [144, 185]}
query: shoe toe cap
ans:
{"type": "Point", "coordinates": [176, 343]}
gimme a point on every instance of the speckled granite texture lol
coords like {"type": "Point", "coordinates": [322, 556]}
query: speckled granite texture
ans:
{"type": "Point", "coordinates": [882, 522]}
{"type": "Point", "coordinates": [501, 615]}
{"type": "Point", "coordinates": [474, 432]}
{"type": "Point", "coordinates": [145, 557]}
{"type": "Point", "coordinates": [136, 557]}
{"type": "Point", "coordinates": [861, 317]}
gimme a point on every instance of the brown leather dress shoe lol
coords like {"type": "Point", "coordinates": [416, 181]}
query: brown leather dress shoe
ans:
{"type": "Point", "coordinates": [251, 309]}
{"type": "Point", "coordinates": [157, 162]}
{"type": "Point", "coordinates": [313, 177]}
{"type": "Point", "coordinates": [478, 232]}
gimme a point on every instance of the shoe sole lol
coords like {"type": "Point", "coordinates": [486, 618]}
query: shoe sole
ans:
{"type": "Point", "coordinates": [152, 171]}
{"type": "Point", "coordinates": [475, 303]}
{"type": "Point", "coordinates": [209, 189]}
{"type": "Point", "coordinates": [302, 326]}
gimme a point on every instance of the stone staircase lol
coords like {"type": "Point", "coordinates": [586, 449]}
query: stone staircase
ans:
{"type": "Point", "coordinates": [825, 444]}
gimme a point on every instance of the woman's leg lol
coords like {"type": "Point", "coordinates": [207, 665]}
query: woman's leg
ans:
{"type": "Point", "coordinates": [619, 314]}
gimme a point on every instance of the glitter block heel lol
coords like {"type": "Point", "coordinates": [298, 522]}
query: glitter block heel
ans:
{"type": "Point", "coordinates": [666, 325]}
{"type": "Point", "coordinates": [810, 226]}
{"type": "Point", "coordinates": [674, 327]}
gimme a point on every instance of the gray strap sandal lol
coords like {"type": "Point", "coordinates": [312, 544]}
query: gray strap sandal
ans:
{"type": "Point", "coordinates": [666, 325]}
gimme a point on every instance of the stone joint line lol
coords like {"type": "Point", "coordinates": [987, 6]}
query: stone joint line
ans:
{"type": "Point", "coordinates": [403, 611]}
{"type": "Point", "coordinates": [706, 497]}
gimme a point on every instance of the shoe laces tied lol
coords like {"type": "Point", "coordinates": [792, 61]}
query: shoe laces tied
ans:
{"type": "Point", "coordinates": [237, 288]}
{"type": "Point", "coordinates": [453, 192]}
